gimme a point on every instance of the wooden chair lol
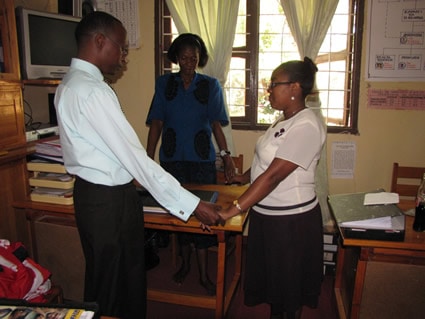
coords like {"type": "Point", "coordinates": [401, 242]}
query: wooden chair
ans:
{"type": "Point", "coordinates": [55, 295]}
{"type": "Point", "coordinates": [405, 180]}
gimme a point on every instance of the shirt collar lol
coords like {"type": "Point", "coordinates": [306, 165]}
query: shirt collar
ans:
{"type": "Point", "coordinates": [88, 67]}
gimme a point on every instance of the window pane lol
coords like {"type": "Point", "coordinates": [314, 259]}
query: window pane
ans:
{"type": "Point", "coordinates": [263, 40]}
{"type": "Point", "coordinates": [235, 87]}
{"type": "Point", "coordinates": [240, 33]}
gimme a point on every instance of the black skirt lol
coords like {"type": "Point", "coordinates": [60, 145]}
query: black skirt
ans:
{"type": "Point", "coordinates": [284, 264]}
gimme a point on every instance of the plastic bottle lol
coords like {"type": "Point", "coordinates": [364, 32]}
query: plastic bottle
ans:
{"type": "Point", "coordinates": [419, 223]}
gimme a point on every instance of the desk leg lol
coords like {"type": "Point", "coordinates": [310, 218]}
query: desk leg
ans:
{"type": "Point", "coordinates": [358, 285]}
{"type": "Point", "coordinates": [221, 263]}
{"type": "Point", "coordinates": [238, 257]}
{"type": "Point", "coordinates": [345, 280]}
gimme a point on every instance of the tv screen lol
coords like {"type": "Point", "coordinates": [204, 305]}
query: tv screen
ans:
{"type": "Point", "coordinates": [46, 43]}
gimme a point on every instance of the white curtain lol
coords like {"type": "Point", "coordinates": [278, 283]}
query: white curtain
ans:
{"type": "Point", "coordinates": [309, 21]}
{"type": "Point", "coordinates": [215, 22]}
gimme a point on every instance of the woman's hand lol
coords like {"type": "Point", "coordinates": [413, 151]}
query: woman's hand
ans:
{"type": "Point", "coordinates": [226, 213]}
{"type": "Point", "coordinates": [229, 168]}
{"type": "Point", "coordinates": [242, 179]}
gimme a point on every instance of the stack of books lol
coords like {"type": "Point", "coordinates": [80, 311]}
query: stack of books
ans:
{"type": "Point", "coordinates": [49, 181]}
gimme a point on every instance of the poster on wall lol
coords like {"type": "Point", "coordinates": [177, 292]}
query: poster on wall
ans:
{"type": "Point", "coordinates": [396, 41]}
{"type": "Point", "coordinates": [343, 159]}
{"type": "Point", "coordinates": [127, 11]}
{"type": "Point", "coordinates": [396, 99]}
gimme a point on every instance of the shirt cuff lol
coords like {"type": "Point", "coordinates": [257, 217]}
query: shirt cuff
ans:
{"type": "Point", "coordinates": [187, 204]}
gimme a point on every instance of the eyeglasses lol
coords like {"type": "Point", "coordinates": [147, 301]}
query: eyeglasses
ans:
{"type": "Point", "coordinates": [274, 84]}
{"type": "Point", "coordinates": [123, 49]}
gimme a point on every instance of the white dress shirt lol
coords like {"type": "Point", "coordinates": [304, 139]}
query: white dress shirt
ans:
{"type": "Point", "coordinates": [100, 146]}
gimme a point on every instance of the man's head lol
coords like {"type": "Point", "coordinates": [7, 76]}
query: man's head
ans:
{"type": "Point", "coordinates": [102, 40]}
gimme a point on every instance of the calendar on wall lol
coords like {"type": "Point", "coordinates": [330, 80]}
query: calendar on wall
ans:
{"type": "Point", "coordinates": [127, 11]}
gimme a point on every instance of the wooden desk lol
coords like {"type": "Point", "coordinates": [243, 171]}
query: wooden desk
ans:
{"type": "Point", "coordinates": [221, 301]}
{"type": "Point", "coordinates": [227, 194]}
{"type": "Point", "coordinates": [355, 254]}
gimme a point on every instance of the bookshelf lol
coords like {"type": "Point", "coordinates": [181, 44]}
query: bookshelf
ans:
{"type": "Point", "coordinates": [12, 130]}
{"type": "Point", "coordinates": [49, 181]}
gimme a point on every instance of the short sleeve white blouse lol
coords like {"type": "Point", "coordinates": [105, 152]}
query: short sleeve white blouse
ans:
{"type": "Point", "coordinates": [299, 140]}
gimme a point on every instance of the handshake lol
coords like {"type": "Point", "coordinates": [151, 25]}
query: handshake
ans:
{"type": "Point", "coordinates": [208, 214]}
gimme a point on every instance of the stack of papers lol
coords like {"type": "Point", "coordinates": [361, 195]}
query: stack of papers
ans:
{"type": "Point", "coordinates": [374, 223]}
{"type": "Point", "coordinates": [369, 215]}
{"type": "Point", "coordinates": [49, 150]}
{"type": "Point", "coordinates": [381, 198]}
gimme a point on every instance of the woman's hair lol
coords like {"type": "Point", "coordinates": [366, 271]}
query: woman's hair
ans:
{"type": "Point", "coordinates": [188, 40]}
{"type": "Point", "coordinates": [303, 72]}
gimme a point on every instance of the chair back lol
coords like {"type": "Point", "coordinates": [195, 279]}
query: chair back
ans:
{"type": "Point", "coordinates": [405, 180]}
{"type": "Point", "coordinates": [238, 161]}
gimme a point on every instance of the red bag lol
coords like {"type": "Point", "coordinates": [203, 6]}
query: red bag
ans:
{"type": "Point", "coordinates": [20, 276]}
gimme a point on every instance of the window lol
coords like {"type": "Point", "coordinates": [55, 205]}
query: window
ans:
{"type": "Point", "coordinates": [263, 40]}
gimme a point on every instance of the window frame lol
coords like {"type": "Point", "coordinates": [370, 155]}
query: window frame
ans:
{"type": "Point", "coordinates": [249, 121]}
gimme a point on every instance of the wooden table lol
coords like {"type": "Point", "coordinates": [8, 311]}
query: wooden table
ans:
{"type": "Point", "coordinates": [227, 194]}
{"type": "Point", "coordinates": [354, 255]}
{"type": "Point", "coordinates": [221, 301]}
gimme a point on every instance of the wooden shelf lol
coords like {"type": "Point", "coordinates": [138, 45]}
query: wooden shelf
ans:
{"type": "Point", "coordinates": [9, 41]}
{"type": "Point", "coordinates": [42, 82]}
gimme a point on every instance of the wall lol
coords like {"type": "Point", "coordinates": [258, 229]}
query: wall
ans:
{"type": "Point", "coordinates": [42, 5]}
{"type": "Point", "coordinates": [385, 136]}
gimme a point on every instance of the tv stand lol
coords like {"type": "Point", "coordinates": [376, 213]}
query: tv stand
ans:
{"type": "Point", "coordinates": [42, 82]}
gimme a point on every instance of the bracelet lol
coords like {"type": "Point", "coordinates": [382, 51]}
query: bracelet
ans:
{"type": "Point", "coordinates": [236, 203]}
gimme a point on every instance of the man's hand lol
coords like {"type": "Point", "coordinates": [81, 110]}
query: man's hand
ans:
{"type": "Point", "coordinates": [207, 213]}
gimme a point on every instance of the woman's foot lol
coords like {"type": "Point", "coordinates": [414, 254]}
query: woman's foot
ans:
{"type": "Point", "coordinates": [181, 274]}
{"type": "Point", "coordinates": [209, 286]}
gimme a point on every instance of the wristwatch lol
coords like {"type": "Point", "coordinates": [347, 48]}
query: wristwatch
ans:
{"type": "Point", "coordinates": [224, 153]}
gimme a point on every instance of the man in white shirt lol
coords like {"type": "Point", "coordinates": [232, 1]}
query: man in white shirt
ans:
{"type": "Point", "coordinates": [104, 153]}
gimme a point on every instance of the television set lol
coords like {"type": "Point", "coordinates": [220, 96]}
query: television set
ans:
{"type": "Point", "coordinates": [46, 43]}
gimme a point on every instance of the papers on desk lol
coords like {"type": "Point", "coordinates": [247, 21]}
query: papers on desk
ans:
{"type": "Point", "coordinates": [359, 218]}
{"type": "Point", "coordinates": [385, 222]}
{"type": "Point", "coordinates": [376, 223]}
{"type": "Point", "coordinates": [381, 198]}
{"type": "Point", "coordinates": [150, 205]}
